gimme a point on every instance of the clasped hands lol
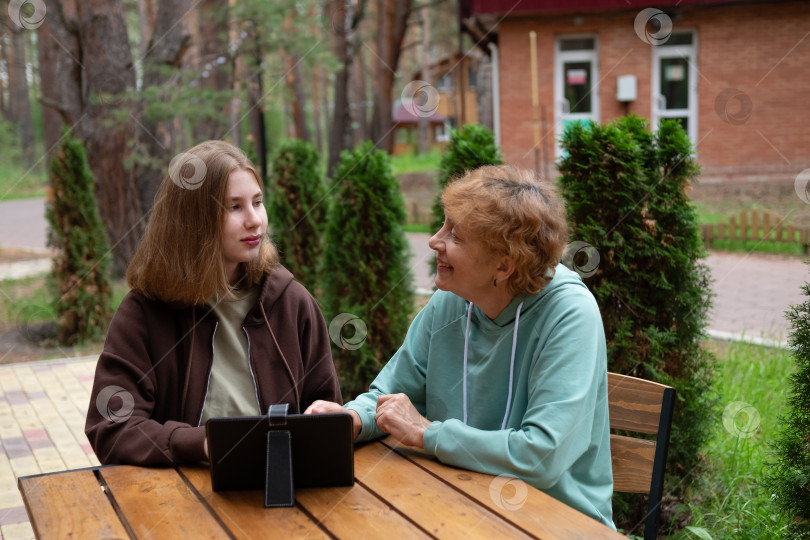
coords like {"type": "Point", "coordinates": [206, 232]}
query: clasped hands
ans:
{"type": "Point", "coordinates": [395, 415]}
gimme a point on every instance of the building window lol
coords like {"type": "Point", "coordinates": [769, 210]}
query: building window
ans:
{"type": "Point", "coordinates": [576, 87]}
{"type": "Point", "coordinates": [472, 78]}
{"type": "Point", "coordinates": [674, 82]}
{"type": "Point", "coordinates": [445, 83]}
{"type": "Point", "coordinates": [441, 133]}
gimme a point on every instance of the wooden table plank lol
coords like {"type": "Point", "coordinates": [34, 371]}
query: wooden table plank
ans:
{"type": "Point", "coordinates": [158, 504]}
{"type": "Point", "coordinates": [65, 505]}
{"type": "Point", "coordinates": [244, 514]}
{"type": "Point", "coordinates": [535, 511]}
{"type": "Point", "coordinates": [353, 512]}
{"type": "Point", "coordinates": [440, 509]}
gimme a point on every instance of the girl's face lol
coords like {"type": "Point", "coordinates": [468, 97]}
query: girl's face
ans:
{"type": "Point", "coordinates": [462, 267]}
{"type": "Point", "coordinates": [245, 223]}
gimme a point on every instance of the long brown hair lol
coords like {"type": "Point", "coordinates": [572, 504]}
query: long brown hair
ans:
{"type": "Point", "coordinates": [179, 259]}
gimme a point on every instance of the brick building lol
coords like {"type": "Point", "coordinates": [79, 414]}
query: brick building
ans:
{"type": "Point", "coordinates": [735, 73]}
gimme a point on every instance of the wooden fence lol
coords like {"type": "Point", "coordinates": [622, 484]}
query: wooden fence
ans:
{"type": "Point", "coordinates": [756, 225]}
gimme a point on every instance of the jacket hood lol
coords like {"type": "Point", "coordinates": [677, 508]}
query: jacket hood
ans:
{"type": "Point", "coordinates": [272, 287]}
{"type": "Point", "coordinates": [563, 277]}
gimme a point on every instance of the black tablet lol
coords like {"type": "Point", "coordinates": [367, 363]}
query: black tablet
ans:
{"type": "Point", "coordinates": [322, 450]}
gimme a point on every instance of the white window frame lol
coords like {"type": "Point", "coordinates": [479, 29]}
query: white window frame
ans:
{"type": "Point", "coordinates": [690, 52]}
{"type": "Point", "coordinates": [560, 58]}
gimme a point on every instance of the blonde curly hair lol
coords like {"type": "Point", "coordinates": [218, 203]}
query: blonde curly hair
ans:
{"type": "Point", "coordinates": [512, 211]}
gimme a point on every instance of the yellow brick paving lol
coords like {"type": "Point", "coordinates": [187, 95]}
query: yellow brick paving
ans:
{"type": "Point", "coordinates": [42, 410]}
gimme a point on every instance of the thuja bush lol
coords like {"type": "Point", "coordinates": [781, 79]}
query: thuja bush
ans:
{"type": "Point", "coordinates": [80, 276]}
{"type": "Point", "coordinates": [639, 243]}
{"type": "Point", "coordinates": [367, 289]}
{"type": "Point", "coordinates": [789, 476]}
{"type": "Point", "coordinates": [296, 209]}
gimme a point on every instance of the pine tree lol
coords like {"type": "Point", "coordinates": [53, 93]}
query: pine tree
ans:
{"type": "Point", "coordinates": [81, 266]}
{"type": "Point", "coordinates": [367, 287]}
{"type": "Point", "coordinates": [625, 189]}
{"type": "Point", "coordinates": [789, 475]}
{"type": "Point", "coordinates": [297, 209]}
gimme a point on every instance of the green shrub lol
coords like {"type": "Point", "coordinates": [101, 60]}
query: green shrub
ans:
{"type": "Point", "coordinates": [82, 262]}
{"type": "Point", "coordinates": [366, 280]}
{"type": "Point", "coordinates": [471, 146]}
{"type": "Point", "coordinates": [625, 191]}
{"type": "Point", "coordinates": [789, 476]}
{"type": "Point", "coordinates": [296, 209]}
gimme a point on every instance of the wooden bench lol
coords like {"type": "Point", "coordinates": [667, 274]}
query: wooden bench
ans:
{"type": "Point", "coordinates": [756, 225]}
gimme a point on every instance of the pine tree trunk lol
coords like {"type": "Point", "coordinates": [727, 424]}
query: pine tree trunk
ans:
{"type": "Point", "coordinates": [3, 60]}
{"type": "Point", "coordinates": [213, 32]}
{"type": "Point", "coordinates": [427, 76]}
{"type": "Point", "coordinates": [85, 54]}
{"type": "Point", "coordinates": [344, 44]}
{"type": "Point", "coordinates": [360, 99]}
{"type": "Point", "coordinates": [19, 103]}
{"type": "Point", "coordinates": [256, 112]}
{"type": "Point", "coordinates": [165, 49]}
{"type": "Point", "coordinates": [295, 88]}
{"type": "Point", "coordinates": [316, 107]}
{"type": "Point", "coordinates": [392, 24]}
{"type": "Point", "coordinates": [340, 116]}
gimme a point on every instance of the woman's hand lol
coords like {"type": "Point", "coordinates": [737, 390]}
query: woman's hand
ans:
{"type": "Point", "coordinates": [320, 406]}
{"type": "Point", "coordinates": [397, 416]}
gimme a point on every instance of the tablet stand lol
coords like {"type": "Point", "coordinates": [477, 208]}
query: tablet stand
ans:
{"type": "Point", "coordinates": [278, 484]}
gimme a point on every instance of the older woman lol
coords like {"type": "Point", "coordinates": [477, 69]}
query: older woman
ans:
{"type": "Point", "coordinates": [504, 370]}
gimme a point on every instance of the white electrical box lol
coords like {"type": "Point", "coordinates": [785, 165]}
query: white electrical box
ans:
{"type": "Point", "coordinates": [626, 88]}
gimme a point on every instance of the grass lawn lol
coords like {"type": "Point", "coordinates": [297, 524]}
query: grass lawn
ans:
{"type": "Point", "coordinates": [729, 502]}
{"type": "Point", "coordinates": [16, 182]}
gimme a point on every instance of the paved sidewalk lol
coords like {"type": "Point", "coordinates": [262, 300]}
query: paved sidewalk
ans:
{"type": "Point", "coordinates": [42, 410]}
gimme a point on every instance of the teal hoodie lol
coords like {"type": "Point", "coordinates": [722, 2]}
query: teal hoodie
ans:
{"type": "Point", "coordinates": [556, 434]}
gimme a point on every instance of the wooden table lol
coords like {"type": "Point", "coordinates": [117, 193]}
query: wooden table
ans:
{"type": "Point", "coordinates": [399, 492]}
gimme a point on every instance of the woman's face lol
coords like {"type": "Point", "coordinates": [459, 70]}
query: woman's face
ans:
{"type": "Point", "coordinates": [462, 266]}
{"type": "Point", "coordinates": [245, 223]}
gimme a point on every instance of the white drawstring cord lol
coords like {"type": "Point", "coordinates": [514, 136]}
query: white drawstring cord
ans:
{"type": "Point", "coordinates": [511, 365]}
{"type": "Point", "coordinates": [464, 376]}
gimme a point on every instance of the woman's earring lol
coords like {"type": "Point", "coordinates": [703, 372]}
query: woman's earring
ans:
{"type": "Point", "coordinates": [495, 283]}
